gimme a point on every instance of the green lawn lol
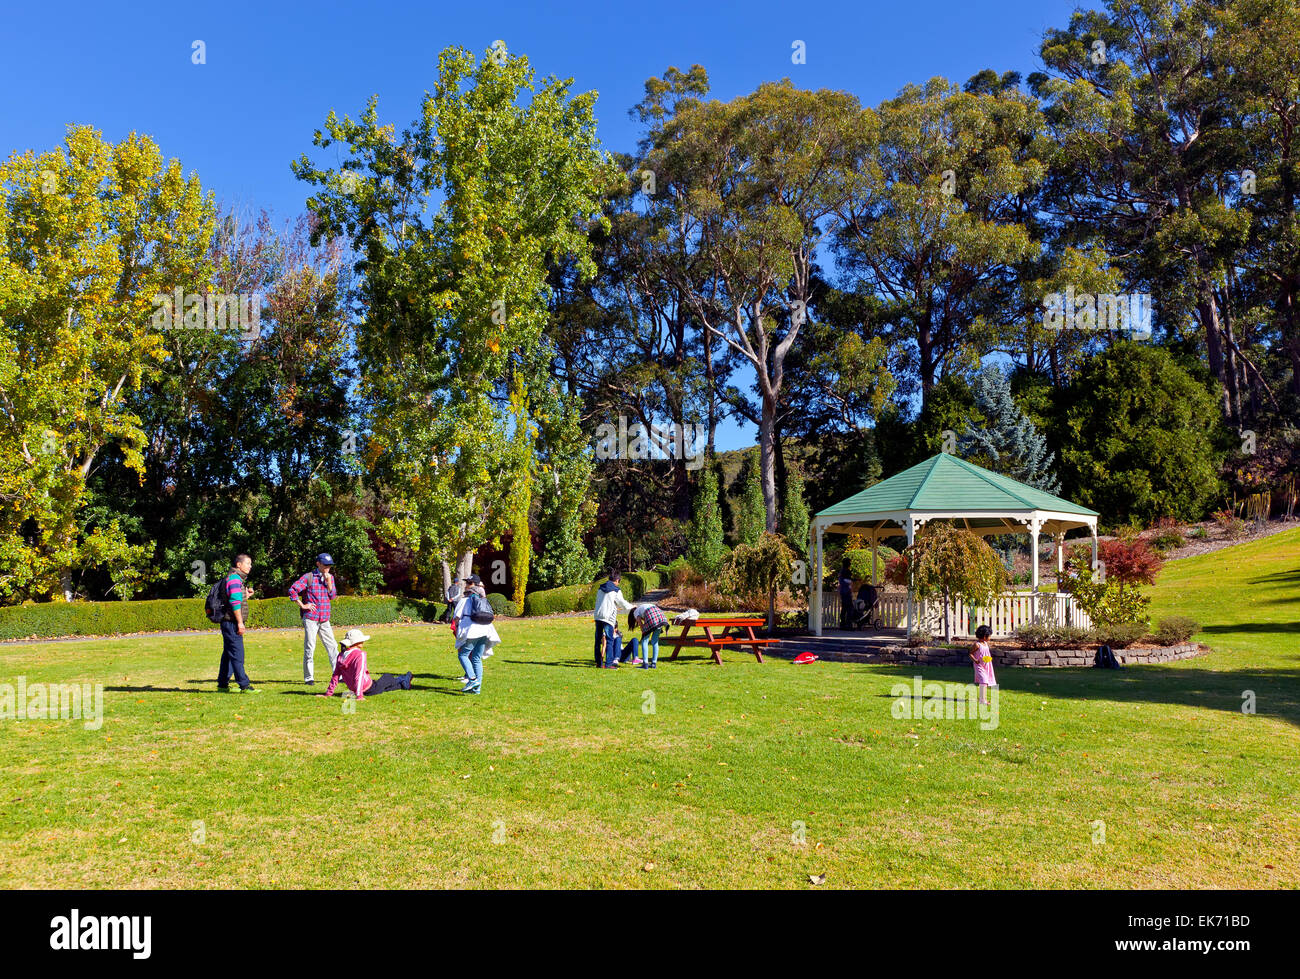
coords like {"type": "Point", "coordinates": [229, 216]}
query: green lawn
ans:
{"type": "Point", "coordinates": [558, 776]}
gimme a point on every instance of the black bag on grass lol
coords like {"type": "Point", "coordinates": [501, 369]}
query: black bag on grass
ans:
{"type": "Point", "coordinates": [1105, 659]}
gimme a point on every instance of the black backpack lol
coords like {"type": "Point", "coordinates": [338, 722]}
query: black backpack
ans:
{"type": "Point", "coordinates": [480, 611]}
{"type": "Point", "coordinates": [1105, 659]}
{"type": "Point", "coordinates": [215, 606]}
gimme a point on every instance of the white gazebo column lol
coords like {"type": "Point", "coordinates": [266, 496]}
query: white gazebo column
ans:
{"type": "Point", "coordinates": [1094, 546]}
{"type": "Point", "coordinates": [1033, 554]}
{"type": "Point", "coordinates": [874, 559]}
{"type": "Point", "coordinates": [815, 613]}
{"type": "Point", "coordinates": [1060, 555]}
{"type": "Point", "coordinates": [911, 535]}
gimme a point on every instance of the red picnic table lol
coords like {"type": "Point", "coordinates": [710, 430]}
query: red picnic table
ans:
{"type": "Point", "coordinates": [720, 632]}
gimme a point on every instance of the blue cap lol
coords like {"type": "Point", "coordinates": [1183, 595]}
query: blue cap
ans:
{"type": "Point", "coordinates": [324, 559]}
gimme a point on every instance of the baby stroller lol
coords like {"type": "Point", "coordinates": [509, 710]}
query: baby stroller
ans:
{"type": "Point", "coordinates": [867, 605]}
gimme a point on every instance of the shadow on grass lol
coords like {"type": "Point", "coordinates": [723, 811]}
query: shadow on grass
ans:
{"type": "Point", "coordinates": [1285, 577]}
{"type": "Point", "coordinates": [1276, 692]}
{"type": "Point", "coordinates": [1245, 630]}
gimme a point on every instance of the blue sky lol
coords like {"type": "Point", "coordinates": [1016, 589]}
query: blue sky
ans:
{"type": "Point", "coordinates": [273, 71]}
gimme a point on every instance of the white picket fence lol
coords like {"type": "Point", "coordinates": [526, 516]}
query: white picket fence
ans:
{"type": "Point", "coordinates": [1008, 613]}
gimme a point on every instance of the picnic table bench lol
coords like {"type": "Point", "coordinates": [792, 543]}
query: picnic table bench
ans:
{"type": "Point", "coordinates": [720, 632]}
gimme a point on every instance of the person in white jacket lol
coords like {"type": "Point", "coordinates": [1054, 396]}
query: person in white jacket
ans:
{"type": "Point", "coordinates": [472, 638]}
{"type": "Point", "coordinates": [609, 603]}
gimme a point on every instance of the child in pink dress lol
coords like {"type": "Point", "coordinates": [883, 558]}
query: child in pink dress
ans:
{"type": "Point", "coordinates": [982, 657]}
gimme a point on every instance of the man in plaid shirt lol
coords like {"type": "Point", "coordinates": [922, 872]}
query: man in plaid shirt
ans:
{"type": "Point", "coordinates": [313, 592]}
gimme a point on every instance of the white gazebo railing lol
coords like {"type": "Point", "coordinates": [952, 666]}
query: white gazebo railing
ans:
{"type": "Point", "coordinates": [1007, 613]}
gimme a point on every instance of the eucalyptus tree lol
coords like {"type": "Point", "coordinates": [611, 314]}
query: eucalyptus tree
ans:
{"type": "Point", "coordinates": [1139, 100]}
{"type": "Point", "coordinates": [763, 180]}
{"type": "Point", "coordinates": [943, 239]}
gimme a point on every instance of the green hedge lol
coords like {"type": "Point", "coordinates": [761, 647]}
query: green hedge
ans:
{"type": "Point", "coordinates": [567, 598]}
{"type": "Point", "coordinates": [502, 605]}
{"type": "Point", "coordinates": [637, 583]}
{"type": "Point", "coordinates": [582, 598]}
{"type": "Point", "coordinates": [53, 619]}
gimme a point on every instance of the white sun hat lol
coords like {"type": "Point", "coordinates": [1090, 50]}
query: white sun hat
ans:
{"type": "Point", "coordinates": [354, 638]}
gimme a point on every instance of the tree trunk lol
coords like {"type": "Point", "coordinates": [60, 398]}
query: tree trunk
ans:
{"type": "Point", "coordinates": [465, 566]}
{"type": "Point", "coordinates": [767, 458]}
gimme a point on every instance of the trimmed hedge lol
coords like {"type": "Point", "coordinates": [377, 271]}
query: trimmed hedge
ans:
{"type": "Point", "coordinates": [567, 598]}
{"type": "Point", "coordinates": [502, 605]}
{"type": "Point", "coordinates": [637, 583]}
{"type": "Point", "coordinates": [582, 598]}
{"type": "Point", "coordinates": [49, 620]}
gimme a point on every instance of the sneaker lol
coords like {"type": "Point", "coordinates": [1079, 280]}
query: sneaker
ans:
{"type": "Point", "coordinates": [611, 666]}
{"type": "Point", "coordinates": [637, 661]}
{"type": "Point", "coordinates": [249, 690]}
{"type": "Point", "coordinates": [223, 688]}
{"type": "Point", "coordinates": [309, 683]}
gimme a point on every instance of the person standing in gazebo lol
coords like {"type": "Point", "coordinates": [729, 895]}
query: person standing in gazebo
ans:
{"type": "Point", "coordinates": [846, 595]}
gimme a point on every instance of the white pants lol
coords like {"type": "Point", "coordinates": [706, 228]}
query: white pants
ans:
{"type": "Point", "coordinates": [310, 628]}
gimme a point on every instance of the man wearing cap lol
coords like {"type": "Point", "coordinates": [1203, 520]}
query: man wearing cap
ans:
{"type": "Point", "coordinates": [313, 592]}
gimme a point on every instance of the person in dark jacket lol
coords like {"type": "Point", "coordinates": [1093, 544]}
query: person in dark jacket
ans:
{"type": "Point", "coordinates": [846, 595]}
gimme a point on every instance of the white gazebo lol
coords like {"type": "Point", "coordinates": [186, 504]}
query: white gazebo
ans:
{"type": "Point", "coordinates": [983, 502]}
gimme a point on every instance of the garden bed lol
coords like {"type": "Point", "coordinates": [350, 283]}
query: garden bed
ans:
{"type": "Point", "coordinates": [1007, 655]}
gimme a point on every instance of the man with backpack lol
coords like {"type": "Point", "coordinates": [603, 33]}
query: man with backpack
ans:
{"type": "Point", "coordinates": [226, 605]}
{"type": "Point", "coordinates": [317, 587]}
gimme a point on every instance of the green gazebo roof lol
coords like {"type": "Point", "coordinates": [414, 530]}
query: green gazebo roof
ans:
{"type": "Point", "coordinates": [946, 485]}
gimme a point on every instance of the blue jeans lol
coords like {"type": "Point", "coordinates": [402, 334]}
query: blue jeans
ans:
{"type": "Point", "coordinates": [613, 643]}
{"type": "Point", "coordinates": [471, 658]}
{"type": "Point", "coordinates": [648, 642]}
{"type": "Point", "coordinates": [232, 656]}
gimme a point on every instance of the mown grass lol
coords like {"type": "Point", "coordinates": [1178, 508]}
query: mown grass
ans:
{"type": "Point", "coordinates": [689, 776]}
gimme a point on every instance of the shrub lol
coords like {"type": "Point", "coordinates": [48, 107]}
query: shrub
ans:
{"type": "Point", "coordinates": [919, 637]}
{"type": "Point", "coordinates": [1175, 629]}
{"type": "Point", "coordinates": [1232, 525]}
{"type": "Point", "coordinates": [794, 618]}
{"type": "Point", "coordinates": [1198, 533]}
{"type": "Point", "coordinates": [1054, 637]}
{"type": "Point", "coordinates": [1150, 446]}
{"type": "Point", "coordinates": [859, 559]}
{"type": "Point", "coordinates": [759, 568]}
{"type": "Point", "coordinates": [1121, 634]}
{"type": "Point", "coordinates": [554, 601]}
{"type": "Point", "coordinates": [502, 605]}
{"type": "Point", "coordinates": [1169, 537]}
{"type": "Point", "coordinates": [679, 572]}
{"type": "Point", "coordinates": [637, 583]}
{"type": "Point", "coordinates": [710, 598]}
{"type": "Point", "coordinates": [896, 571]}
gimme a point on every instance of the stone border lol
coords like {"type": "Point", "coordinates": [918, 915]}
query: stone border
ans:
{"type": "Point", "coordinates": [939, 656]}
